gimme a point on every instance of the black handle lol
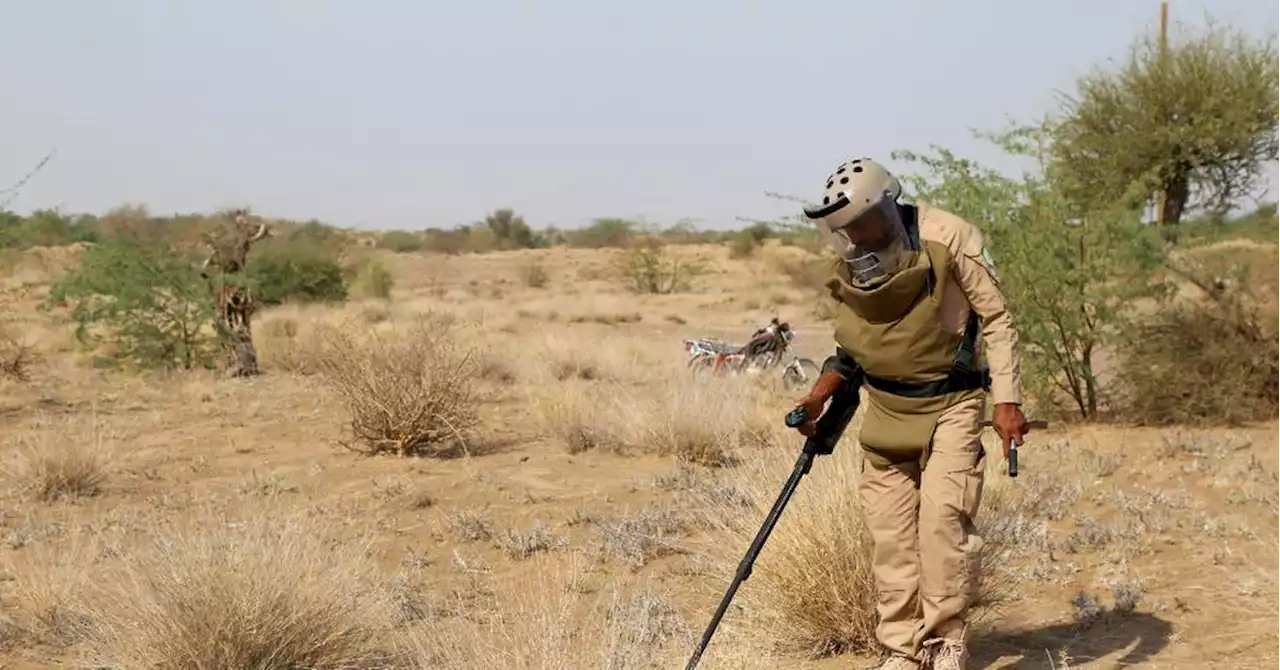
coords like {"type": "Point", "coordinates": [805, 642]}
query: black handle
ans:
{"type": "Point", "coordinates": [796, 417]}
{"type": "Point", "coordinates": [1013, 460]}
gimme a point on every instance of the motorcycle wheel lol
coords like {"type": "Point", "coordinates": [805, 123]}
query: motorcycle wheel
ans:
{"type": "Point", "coordinates": [702, 365]}
{"type": "Point", "coordinates": [801, 372]}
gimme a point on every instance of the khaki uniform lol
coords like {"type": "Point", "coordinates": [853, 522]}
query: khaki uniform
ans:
{"type": "Point", "coordinates": [922, 474]}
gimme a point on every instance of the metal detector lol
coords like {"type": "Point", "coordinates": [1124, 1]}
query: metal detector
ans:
{"type": "Point", "coordinates": [831, 425]}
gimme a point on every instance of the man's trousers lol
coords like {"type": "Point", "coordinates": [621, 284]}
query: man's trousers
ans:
{"type": "Point", "coordinates": [927, 551]}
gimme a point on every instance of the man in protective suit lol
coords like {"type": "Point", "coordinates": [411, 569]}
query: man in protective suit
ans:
{"type": "Point", "coordinates": [917, 299]}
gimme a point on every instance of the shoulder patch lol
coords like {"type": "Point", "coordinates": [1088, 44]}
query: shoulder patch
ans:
{"type": "Point", "coordinates": [990, 263]}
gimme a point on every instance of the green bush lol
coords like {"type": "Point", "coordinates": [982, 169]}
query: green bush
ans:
{"type": "Point", "coordinates": [295, 273]}
{"type": "Point", "coordinates": [148, 302]}
{"type": "Point", "coordinates": [374, 279]}
{"type": "Point", "coordinates": [401, 241]}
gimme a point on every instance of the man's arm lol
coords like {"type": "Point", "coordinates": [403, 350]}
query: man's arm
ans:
{"type": "Point", "coordinates": [977, 276]}
{"type": "Point", "coordinates": [842, 364]}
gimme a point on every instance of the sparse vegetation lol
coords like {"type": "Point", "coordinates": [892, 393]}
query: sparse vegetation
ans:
{"type": "Point", "coordinates": [607, 494]}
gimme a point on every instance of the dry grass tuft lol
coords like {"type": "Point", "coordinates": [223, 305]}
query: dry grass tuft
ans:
{"type": "Point", "coordinates": [578, 418]}
{"type": "Point", "coordinates": [637, 540]}
{"type": "Point", "coordinates": [261, 593]}
{"type": "Point", "coordinates": [518, 545]}
{"type": "Point", "coordinates": [413, 394]}
{"type": "Point", "coordinates": [812, 590]}
{"type": "Point", "coordinates": [284, 346]}
{"type": "Point", "coordinates": [554, 625]}
{"type": "Point", "coordinates": [64, 464]}
{"type": "Point", "coordinates": [49, 597]}
{"type": "Point", "coordinates": [696, 421]}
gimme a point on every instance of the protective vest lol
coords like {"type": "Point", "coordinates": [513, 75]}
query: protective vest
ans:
{"type": "Point", "coordinates": [914, 367]}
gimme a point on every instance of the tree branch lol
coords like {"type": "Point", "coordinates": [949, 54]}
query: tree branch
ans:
{"type": "Point", "coordinates": [13, 190]}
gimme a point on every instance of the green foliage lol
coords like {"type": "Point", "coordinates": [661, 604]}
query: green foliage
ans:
{"type": "Point", "coordinates": [374, 279]}
{"type": "Point", "coordinates": [1197, 122]}
{"type": "Point", "coordinates": [401, 241]}
{"type": "Point", "coordinates": [315, 235]}
{"type": "Point", "coordinates": [649, 267]}
{"type": "Point", "coordinates": [1068, 281]}
{"type": "Point", "coordinates": [509, 230]}
{"type": "Point", "coordinates": [47, 228]}
{"type": "Point", "coordinates": [744, 243]}
{"type": "Point", "coordinates": [295, 272]}
{"type": "Point", "coordinates": [145, 300]}
{"type": "Point", "coordinates": [603, 232]}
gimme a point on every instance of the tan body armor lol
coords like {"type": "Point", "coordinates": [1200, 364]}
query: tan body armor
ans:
{"type": "Point", "coordinates": [914, 367]}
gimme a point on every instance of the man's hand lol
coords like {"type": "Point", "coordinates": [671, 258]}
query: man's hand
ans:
{"type": "Point", "coordinates": [1009, 423]}
{"type": "Point", "coordinates": [812, 404]}
{"type": "Point", "coordinates": [815, 402]}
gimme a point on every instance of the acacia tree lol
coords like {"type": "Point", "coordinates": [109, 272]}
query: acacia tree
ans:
{"type": "Point", "coordinates": [1068, 280]}
{"type": "Point", "coordinates": [1193, 121]}
{"type": "Point", "coordinates": [510, 229]}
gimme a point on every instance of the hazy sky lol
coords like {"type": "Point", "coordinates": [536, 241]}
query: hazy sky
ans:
{"type": "Point", "coordinates": [399, 113]}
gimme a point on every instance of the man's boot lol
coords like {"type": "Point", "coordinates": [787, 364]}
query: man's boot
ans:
{"type": "Point", "coordinates": [945, 654]}
{"type": "Point", "coordinates": [897, 662]}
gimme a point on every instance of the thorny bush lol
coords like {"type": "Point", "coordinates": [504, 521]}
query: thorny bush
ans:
{"type": "Point", "coordinates": [413, 394]}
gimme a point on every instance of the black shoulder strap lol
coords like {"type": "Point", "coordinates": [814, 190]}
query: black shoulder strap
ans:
{"type": "Point", "coordinates": [966, 356]}
{"type": "Point", "coordinates": [911, 221]}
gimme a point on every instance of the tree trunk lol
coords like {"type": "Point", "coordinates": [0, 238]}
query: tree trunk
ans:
{"type": "Point", "coordinates": [1176, 193]}
{"type": "Point", "coordinates": [241, 358]}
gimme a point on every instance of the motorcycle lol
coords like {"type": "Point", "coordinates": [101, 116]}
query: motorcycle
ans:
{"type": "Point", "coordinates": [765, 350]}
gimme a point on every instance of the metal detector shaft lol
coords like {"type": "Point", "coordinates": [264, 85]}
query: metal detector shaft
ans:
{"type": "Point", "coordinates": [744, 568]}
{"type": "Point", "coordinates": [830, 426]}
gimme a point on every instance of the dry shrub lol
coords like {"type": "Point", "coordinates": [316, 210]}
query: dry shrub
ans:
{"type": "Point", "coordinates": [812, 592]}
{"type": "Point", "coordinates": [16, 357]}
{"type": "Point", "coordinates": [229, 594]}
{"type": "Point", "coordinates": [411, 394]}
{"type": "Point", "coordinates": [64, 463]}
{"type": "Point", "coordinates": [1209, 362]}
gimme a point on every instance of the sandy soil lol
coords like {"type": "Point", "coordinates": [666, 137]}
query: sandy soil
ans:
{"type": "Point", "coordinates": [1135, 548]}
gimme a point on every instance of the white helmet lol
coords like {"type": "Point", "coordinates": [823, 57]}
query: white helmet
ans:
{"type": "Point", "coordinates": [859, 217]}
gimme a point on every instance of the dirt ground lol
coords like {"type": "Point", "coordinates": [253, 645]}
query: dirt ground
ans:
{"type": "Point", "coordinates": [1129, 547]}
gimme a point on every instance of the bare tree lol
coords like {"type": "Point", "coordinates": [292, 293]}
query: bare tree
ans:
{"type": "Point", "coordinates": [233, 301]}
